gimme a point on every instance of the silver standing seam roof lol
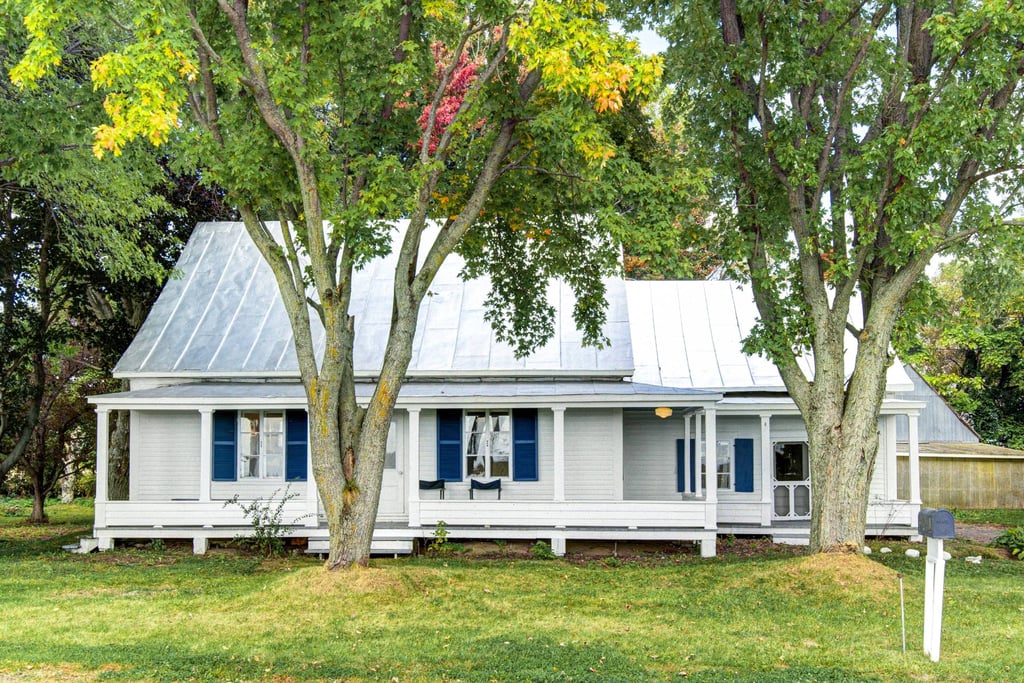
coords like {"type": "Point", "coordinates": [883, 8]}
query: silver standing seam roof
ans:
{"type": "Point", "coordinates": [222, 316]}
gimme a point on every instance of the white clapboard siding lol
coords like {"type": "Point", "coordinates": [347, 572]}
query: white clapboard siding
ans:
{"type": "Point", "coordinates": [649, 455]}
{"type": "Point", "coordinates": [729, 429]}
{"type": "Point", "coordinates": [164, 455]}
{"type": "Point", "coordinates": [250, 489]}
{"type": "Point", "coordinates": [593, 451]}
{"type": "Point", "coordinates": [579, 514]}
{"type": "Point", "coordinates": [732, 512]}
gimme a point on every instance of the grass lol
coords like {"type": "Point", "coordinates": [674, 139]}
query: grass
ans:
{"type": "Point", "coordinates": [146, 615]}
{"type": "Point", "coordinates": [1009, 517]}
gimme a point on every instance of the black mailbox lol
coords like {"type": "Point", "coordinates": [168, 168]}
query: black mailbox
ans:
{"type": "Point", "coordinates": [935, 523]}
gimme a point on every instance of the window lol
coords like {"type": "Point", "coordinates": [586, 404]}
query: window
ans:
{"type": "Point", "coordinates": [261, 444]}
{"type": "Point", "coordinates": [791, 461]}
{"type": "Point", "coordinates": [391, 449]}
{"type": "Point", "coordinates": [724, 468]}
{"type": "Point", "coordinates": [488, 439]}
{"type": "Point", "coordinates": [487, 443]}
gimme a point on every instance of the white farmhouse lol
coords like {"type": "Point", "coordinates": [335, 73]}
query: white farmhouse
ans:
{"type": "Point", "coordinates": [570, 443]}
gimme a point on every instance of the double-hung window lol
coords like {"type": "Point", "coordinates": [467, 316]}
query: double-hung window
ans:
{"type": "Point", "coordinates": [488, 439]}
{"type": "Point", "coordinates": [723, 466]}
{"type": "Point", "coordinates": [261, 444]}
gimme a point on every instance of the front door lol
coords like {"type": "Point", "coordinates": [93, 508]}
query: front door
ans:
{"type": "Point", "coordinates": [791, 481]}
{"type": "Point", "coordinates": [392, 487]}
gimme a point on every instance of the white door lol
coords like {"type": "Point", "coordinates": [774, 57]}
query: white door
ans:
{"type": "Point", "coordinates": [392, 488]}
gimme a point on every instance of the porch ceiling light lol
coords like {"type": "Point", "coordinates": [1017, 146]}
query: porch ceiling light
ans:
{"type": "Point", "coordinates": [663, 412]}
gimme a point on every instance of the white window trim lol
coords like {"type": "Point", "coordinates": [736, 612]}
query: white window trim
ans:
{"type": "Point", "coordinates": [262, 455]}
{"type": "Point", "coordinates": [488, 412]}
{"type": "Point", "coordinates": [806, 459]}
{"type": "Point", "coordinates": [731, 452]}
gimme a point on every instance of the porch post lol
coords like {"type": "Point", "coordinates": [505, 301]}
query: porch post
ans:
{"type": "Point", "coordinates": [698, 453]}
{"type": "Point", "coordinates": [711, 469]}
{"type": "Point", "coordinates": [412, 468]}
{"type": "Point", "coordinates": [102, 458]}
{"type": "Point", "coordinates": [915, 461]}
{"type": "Point", "coordinates": [891, 485]}
{"type": "Point", "coordinates": [767, 467]}
{"type": "Point", "coordinates": [312, 492]}
{"type": "Point", "coordinates": [558, 474]}
{"type": "Point", "coordinates": [687, 484]}
{"type": "Point", "coordinates": [205, 453]}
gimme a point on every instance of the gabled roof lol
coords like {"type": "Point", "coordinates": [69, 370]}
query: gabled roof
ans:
{"type": "Point", "coordinates": [221, 316]}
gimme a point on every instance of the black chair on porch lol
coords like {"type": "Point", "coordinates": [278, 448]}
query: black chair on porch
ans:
{"type": "Point", "coordinates": [433, 485]}
{"type": "Point", "coordinates": [493, 485]}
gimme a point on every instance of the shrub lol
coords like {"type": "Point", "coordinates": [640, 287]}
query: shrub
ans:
{"type": "Point", "coordinates": [441, 545]}
{"type": "Point", "coordinates": [265, 517]}
{"type": "Point", "coordinates": [542, 551]}
{"type": "Point", "coordinates": [1012, 540]}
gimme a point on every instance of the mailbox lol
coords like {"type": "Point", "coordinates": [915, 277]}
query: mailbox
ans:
{"type": "Point", "coordinates": [935, 523]}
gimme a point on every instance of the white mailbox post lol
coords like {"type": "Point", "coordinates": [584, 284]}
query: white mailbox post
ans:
{"type": "Point", "coordinates": [935, 525]}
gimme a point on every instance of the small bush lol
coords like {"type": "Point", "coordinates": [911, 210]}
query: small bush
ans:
{"type": "Point", "coordinates": [542, 551]}
{"type": "Point", "coordinates": [265, 517]}
{"type": "Point", "coordinates": [441, 545]}
{"type": "Point", "coordinates": [1012, 540]}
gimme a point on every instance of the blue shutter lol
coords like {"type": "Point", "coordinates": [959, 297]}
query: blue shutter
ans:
{"type": "Point", "coordinates": [744, 461]}
{"type": "Point", "coordinates": [449, 445]}
{"type": "Point", "coordinates": [681, 466]}
{"type": "Point", "coordinates": [524, 445]}
{"type": "Point", "coordinates": [225, 451]}
{"type": "Point", "coordinates": [694, 469]}
{"type": "Point", "coordinates": [296, 445]}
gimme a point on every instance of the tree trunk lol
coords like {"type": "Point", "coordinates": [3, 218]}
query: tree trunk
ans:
{"type": "Point", "coordinates": [117, 481]}
{"type": "Point", "coordinates": [842, 428]}
{"type": "Point", "coordinates": [841, 466]}
{"type": "Point", "coordinates": [38, 500]}
{"type": "Point", "coordinates": [68, 476]}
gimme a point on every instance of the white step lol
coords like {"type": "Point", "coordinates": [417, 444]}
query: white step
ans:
{"type": "Point", "coordinates": [388, 546]}
{"type": "Point", "coordinates": [85, 545]}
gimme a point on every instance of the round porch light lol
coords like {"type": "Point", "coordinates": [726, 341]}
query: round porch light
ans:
{"type": "Point", "coordinates": [663, 412]}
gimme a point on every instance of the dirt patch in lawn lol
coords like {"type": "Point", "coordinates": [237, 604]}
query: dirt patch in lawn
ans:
{"type": "Point", "coordinates": [357, 579]}
{"type": "Point", "coordinates": [48, 672]}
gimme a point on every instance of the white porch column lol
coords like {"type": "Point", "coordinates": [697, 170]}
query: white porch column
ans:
{"type": "Point", "coordinates": [687, 484]}
{"type": "Point", "coordinates": [891, 486]}
{"type": "Point", "coordinates": [205, 453]}
{"type": "Point", "coordinates": [312, 492]}
{"type": "Point", "coordinates": [558, 471]}
{"type": "Point", "coordinates": [102, 462]}
{"type": "Point", "coordinates": [767, 467]}
{"type": "Point", "coordinates": [698, 453]}
{"type": "Point", "coordinates": [915, 460]}
{"type": "Point", "coordinates": [412, 468]}
{"type": "Point", "coordinates": [711, 436]}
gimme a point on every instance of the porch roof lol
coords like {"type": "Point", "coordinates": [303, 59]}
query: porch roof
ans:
{"type": "Point", "coordinates": [414, 394]}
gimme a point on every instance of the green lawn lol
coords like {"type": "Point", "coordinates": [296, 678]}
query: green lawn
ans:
{"type": "Point", "coordinates": [167, 616]}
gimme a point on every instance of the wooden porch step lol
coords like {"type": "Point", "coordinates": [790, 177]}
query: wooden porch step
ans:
{"type": "Point", "coordinates": [794, 536]}
{"type": "Point", "coordinates": [383, 546]}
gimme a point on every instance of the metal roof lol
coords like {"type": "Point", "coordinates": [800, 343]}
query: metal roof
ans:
{"type": "Point", "coordinates": [222, 316]}
{"type": "Point", "coordinates": [689, 333]}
